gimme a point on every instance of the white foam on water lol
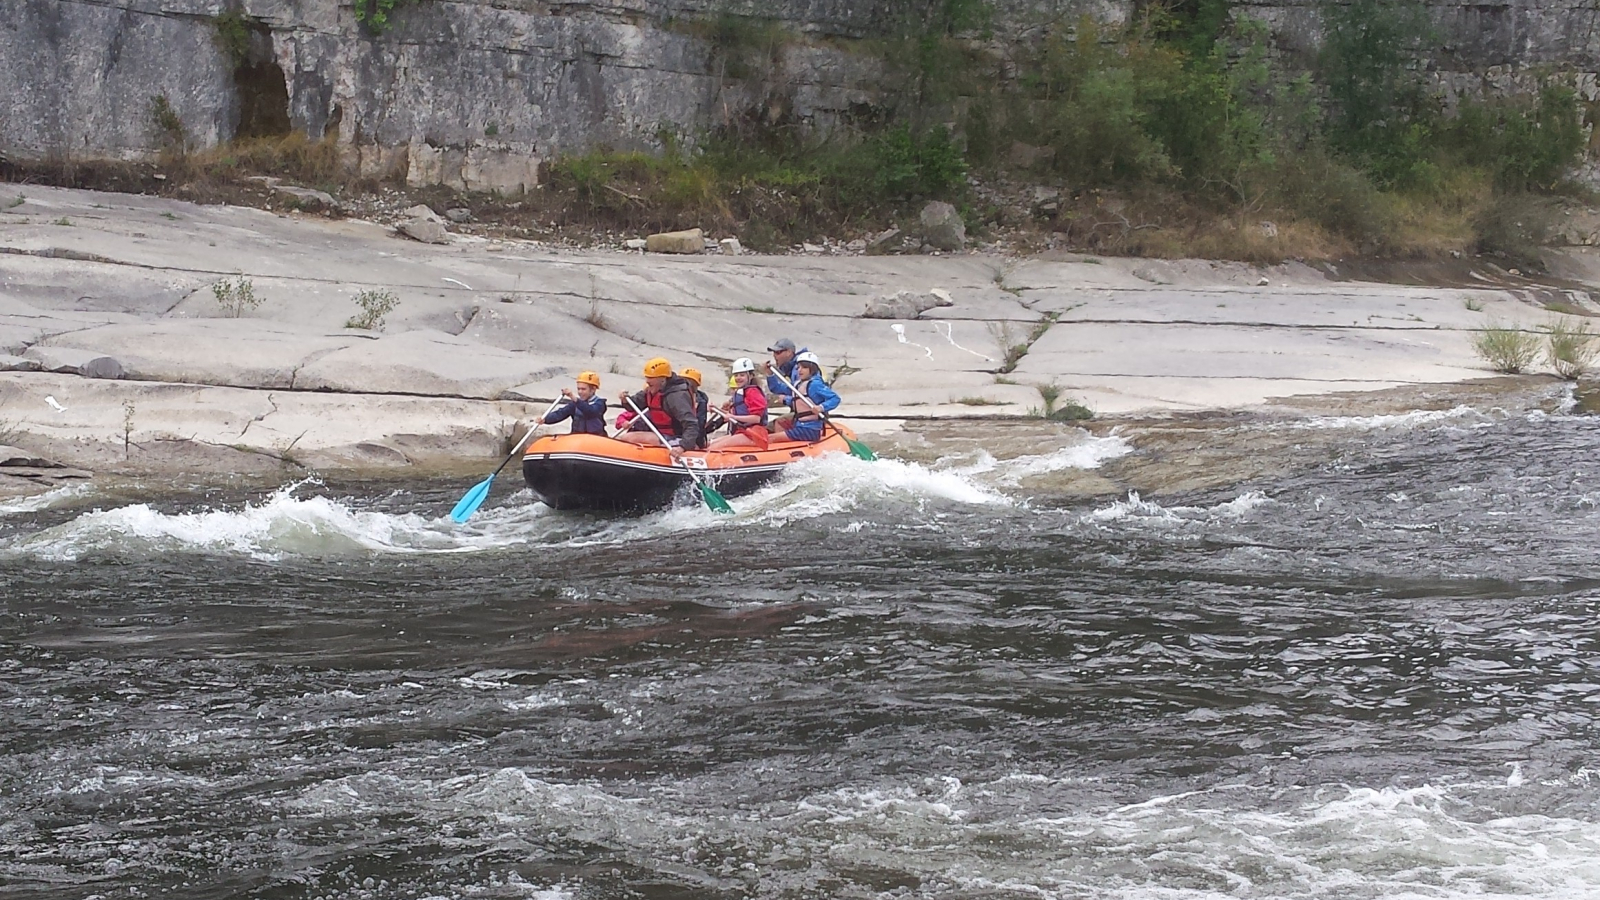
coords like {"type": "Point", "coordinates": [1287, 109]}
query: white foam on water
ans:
{"type": "Point", "coordinates": [1464, 415]}
{"type": "Point", "coordinates": [1448, 840]}
{"type": "Point", "coordinates": [840, 483]}
{"type": "Point", "coordinates": [1133, 508]}
{"type": "Point", "coordinates": [1233, 841]}
{"type": "Point", "coordinates": [1090, 453]}
{"type": "Point", "coordinates": [281, 525]}
{"type": "Point", "coordinates": [293, 523]}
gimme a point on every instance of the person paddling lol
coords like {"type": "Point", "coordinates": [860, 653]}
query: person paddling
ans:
{"type": "Point", "coordinates": [783, 363]}
{"type": "Point", "coordinates": [702, 403]}
{"type": "Point", "coordinates": [746, 412]}
{"type": "Point", "coordinates": [587, 411]}
{"type": "Point", "coordinates": [668, 401]}
{"type": "Point", "coordinates": [811, 394]}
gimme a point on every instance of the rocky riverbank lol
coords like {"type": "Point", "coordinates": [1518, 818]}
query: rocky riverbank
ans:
{"type": "Point", "coordinates": [119, 352]}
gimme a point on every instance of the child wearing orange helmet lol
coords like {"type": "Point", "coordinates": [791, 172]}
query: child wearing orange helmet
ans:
{"type": "Point", "coordinates": [583, 405]}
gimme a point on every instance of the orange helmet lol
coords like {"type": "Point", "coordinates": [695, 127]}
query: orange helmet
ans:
{"type": "Point", "coordinates": [589, 378]}
{"type": "Point", "coordinates": [693, 375]}
{"type": "Point", "coordinates": [657, 368]}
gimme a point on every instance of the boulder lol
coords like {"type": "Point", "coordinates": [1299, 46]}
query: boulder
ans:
{"type": "Point", "coordinates": [635, 243]}
{"type": "Point", "coordinates": [906, 304]}
{"type": "Point", "coordinates": [691, 241]}
{"type": "Point", "coordinates": [428, 231]}
{"type": "Point", "coordinates": [306, 199]}
{"type": "Point", "coordinates": [75, 362]}
{"type": "Point", "coordinates": [885, 241]}
{"type": "Point", "coordinates": [1027, 156]}
{"type": "Point", "coordinates": [11, 457]}
{"type": "Point", "coordinates": [458, 215]}
{"type": "Point", "coordinates": [1155, 274]}
{"type": "Point", "coordinates": [942, 226]}
{"type": "Point", "coordinates": [422, 211]}
{"type": "Point", "coordinates": [730, 246]}
{"type": "Point", "coordinates": [17, 364]}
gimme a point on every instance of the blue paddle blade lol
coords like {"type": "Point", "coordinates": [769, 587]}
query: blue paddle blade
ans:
{"type": "Point", "coordinates": [471, 500]}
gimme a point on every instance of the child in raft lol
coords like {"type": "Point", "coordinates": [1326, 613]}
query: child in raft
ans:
{"type": "Point", "coordinates": [746, 412]}
{"type": "Point", "coordinates": [583, 405]}
{"type": "Point", "coordinates": [702, 403]}
{"type": "Point", "coordinates": [812, 396]}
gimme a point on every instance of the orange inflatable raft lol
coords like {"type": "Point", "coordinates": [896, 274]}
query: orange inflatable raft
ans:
{"type": "Point", "coordinates": [588, 471]}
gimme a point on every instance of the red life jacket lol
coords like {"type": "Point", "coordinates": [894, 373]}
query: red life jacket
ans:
{"type": "Point", "coordinates": [658, 414]}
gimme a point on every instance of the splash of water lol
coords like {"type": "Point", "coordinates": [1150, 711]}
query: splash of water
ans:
{"type": "Point", "coordinates": [294, 522]}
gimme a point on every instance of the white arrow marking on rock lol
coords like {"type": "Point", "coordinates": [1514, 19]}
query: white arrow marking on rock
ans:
{"type": "Point", "coordinates": [900, 331]}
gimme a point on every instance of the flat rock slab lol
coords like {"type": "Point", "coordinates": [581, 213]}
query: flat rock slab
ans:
{"type": "Point", "coordinates": [232, 352]}
{"type": "Point", "coordinates": [422, 363]}
{"type": "Point", "coordinates": [72, 360]}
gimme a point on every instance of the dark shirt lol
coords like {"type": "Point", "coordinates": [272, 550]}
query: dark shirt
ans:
{"type": "Point", "coordinates": [588, 416]}
{"type": "Point", "coordinates": [677, 401]}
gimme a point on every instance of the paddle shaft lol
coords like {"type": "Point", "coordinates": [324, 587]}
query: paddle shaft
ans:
{"type": "Point", "coordinates": [517, 447]}
{"type": "Point", "coordinates": [640, 415]}
{"type": "Point", "coordinates": [793, 392]}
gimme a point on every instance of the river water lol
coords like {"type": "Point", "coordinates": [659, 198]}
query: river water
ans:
{"type": "Point", "coordinates": [1367, 668]}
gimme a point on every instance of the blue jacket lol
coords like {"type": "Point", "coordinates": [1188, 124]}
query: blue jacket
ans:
{"type": "Point", "coordinates": [817, 391]}
{"type": "Point", "coordinates": [588, 416]}
{"type": "Point", "coordinates": [775, 385]}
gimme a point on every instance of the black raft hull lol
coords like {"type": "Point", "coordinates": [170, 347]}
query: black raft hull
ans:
{"type": "Point", "coordinates": [591, 472]}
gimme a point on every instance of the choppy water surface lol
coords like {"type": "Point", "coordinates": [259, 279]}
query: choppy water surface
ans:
{"type": "Point", "coordinates": [1374, 675]}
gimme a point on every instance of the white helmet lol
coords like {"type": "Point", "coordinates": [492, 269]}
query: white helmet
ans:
{"type": "Point", "coordinates": [743, 364]}
{"type": "Point", "coordinates": [809, 357]}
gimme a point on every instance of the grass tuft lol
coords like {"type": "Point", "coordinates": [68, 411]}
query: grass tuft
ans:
{"type": "Point", "coordinates": [1569, 348]}
{"type": "Point", "coordinates": [1507, 350]}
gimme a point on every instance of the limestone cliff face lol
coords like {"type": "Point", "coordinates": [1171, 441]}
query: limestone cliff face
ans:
{"type": "Point", "coordinates": [474, 93]}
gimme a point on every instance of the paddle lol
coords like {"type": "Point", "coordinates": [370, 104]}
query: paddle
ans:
{"type": "Point", "coordinates": [472, 499]}
{"type": "Point", "coordinates": [857, 449]}
{"type": "Point", "coordinates": [713, 500]}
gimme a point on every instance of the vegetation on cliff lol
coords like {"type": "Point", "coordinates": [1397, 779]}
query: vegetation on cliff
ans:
{"type": "Point", "coordinates": [1180, 133]}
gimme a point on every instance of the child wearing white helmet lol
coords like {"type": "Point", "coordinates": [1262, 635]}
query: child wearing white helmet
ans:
{"type": "Point", "coordinates": [812, 397]}
{"type": "Point", "coordinates": [746, 412]}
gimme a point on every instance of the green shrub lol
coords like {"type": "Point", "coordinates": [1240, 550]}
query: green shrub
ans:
{"type": "Point", "coordinates": [1380, 113]}
{"type": "Point", "coordinates": [375, 306]}
{"type": "Point", "coordinates": [1528, 143]}
{"type": "Point", "coordinates": [1507, 350]}
{"type": "Point", "coordinates": [232, 35]}
{"type": "Point", "coordinates": [1320, 188]}
{"type": "Point", "coordinates": [1569, 348]}
{"type": "Point", "coordinates": [236, 297]}
{"type": "Point", "coordinates": [168, 126]}
{"type": "Point", "coordinates": [1515, 227]}
{"type": "Point", "coordinates": [911, 166]}
{"type": "Point", "coordinates": [375, 13]}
